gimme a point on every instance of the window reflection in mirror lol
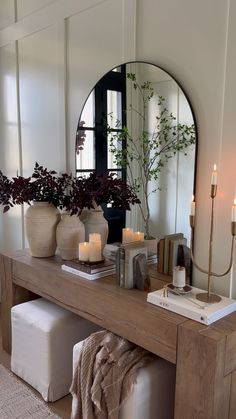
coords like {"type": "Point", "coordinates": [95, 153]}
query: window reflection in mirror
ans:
{"type": "Point", "coordinates": [109, 103]}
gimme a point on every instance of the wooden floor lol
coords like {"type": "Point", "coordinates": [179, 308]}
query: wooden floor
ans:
{"type": "Point", "coordinates": [62, 407]}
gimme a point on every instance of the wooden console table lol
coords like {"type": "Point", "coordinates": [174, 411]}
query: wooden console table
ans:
{"type": "Point", "coordinates": [205, 356]}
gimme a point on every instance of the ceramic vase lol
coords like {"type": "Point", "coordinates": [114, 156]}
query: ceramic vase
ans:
{"type": "Point", "coordinates": [83, 214]}
{"type": "Point", "coordinates": [41, 220]}
{"type": "Point", "coordinates": [70, 232]}
{"type": "Point", "coordinates": [96, 223]}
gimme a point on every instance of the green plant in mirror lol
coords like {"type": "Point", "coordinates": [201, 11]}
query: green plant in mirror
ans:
{"type": "Point", "coordinates": [147, 150]}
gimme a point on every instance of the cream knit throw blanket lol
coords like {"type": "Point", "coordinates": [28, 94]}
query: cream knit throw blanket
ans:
{"type": "Point", "coordinates": [105, 373]}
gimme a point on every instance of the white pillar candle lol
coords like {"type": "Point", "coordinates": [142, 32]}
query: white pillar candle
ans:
{"type": "Point", "coordinates": [234, 211]}
{"type": "Point", "coordinates": [127, 235]}
{"type": "Point", "coordinates": [94, 237]}
{"type": "Point", "coordinates": [138, 236]}
{"type": "Point", "coordinates": [84, 251]}
{"type": "Point", "coordinates": [179, 276]}
{"type": "Point", "coordinates": [95, 251]}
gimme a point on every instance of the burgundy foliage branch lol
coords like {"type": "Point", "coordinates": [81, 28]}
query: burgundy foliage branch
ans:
{"type": "Point", "coordinates": [66, 191]}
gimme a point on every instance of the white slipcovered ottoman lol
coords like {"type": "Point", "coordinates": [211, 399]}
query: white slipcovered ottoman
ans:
{"type": "Point", "coordinates": [43, 336]}
{"type": "Point", "coordinates": [152, 396]}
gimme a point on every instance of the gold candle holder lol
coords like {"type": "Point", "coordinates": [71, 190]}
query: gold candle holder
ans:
{"type": "Point", "coordinates": [209, 297]}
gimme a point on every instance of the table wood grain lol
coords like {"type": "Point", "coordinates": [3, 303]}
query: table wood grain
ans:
{"type": "Point", "coordinates": [205, 356]}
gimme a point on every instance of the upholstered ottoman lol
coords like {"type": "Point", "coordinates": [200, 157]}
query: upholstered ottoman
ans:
{"type": "Point", "coordinates": [43, 336]}
{"type": "Point", "coordinates": [152, 396]}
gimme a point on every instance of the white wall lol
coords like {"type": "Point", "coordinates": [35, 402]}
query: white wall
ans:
{"type": "Point", "coordinates": [66, 45]}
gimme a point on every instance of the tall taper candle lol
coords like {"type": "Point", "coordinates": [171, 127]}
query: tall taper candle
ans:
{"type": "Point", "coordinates": [192, 207]}
{"type": "Point", "coordinates": [214, 176]}
{"type": "Point", "coordinates": [234, 211]}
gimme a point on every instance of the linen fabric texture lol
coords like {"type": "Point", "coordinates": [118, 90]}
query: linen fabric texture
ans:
{"type": "Point", "coordinates": [115, 379]}
{"type": "Point", "coordinates": [43, 336]}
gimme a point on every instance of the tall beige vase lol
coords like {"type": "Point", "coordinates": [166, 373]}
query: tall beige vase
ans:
{"type": "Point", "coordinates": [41, 221]}
{"type": "Point", "coordinates": [96, 223]}
{"type": "Point", "coordinates": [70, 232]}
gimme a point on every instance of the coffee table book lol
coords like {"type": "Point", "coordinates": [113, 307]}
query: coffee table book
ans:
{"type": "Point", "coordinates": [89, 271]}
{"type": "Point", "coordinates": [90, 268]}
{"type": "Point", "coordinates": [188, 306]}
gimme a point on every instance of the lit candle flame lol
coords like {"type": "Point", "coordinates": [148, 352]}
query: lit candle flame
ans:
{"type": "Point", "coordinates": [192, 206]}
{"type": "Point", "coordinates": [214, 176]}
{"type": "Point", "coordinates": [234, 211]}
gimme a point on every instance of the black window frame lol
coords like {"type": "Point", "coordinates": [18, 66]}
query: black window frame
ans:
{"type": "Point", "coordinates": [116, 81]}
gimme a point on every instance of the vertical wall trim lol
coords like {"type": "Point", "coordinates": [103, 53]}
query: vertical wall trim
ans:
{"type": "Point", "coordinates": [63, 101]}
{"type": "Point", "coordinates": [15, 11]}
{"type": "Point", "coordinates": [224, 80]}
{"type": "Point", "coordinates": [66, 111]}
{"type": "Point", "coordinates": [129, 36]}
{"type": "Point", "coordinates": [18, 107]}
{"type": "Point", "coordinates": [19, 136]}
{"type": "Point", "coordinates": [177, 168]}
{"type": "Point", "coordinates": [220, 151]}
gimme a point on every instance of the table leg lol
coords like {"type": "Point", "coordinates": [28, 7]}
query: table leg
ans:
{"type": "Point", "coordinates": [202, 388]}
{"type": "Point", "coordinates": [7, 301]}
{"type": "Point", "coordinates": [11, 295]}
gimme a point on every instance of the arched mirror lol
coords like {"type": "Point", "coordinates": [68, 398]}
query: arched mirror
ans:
{"type": "Point", "coordinates": [138, 124]}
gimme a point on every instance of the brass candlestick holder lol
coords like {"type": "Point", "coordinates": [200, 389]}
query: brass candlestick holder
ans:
{"type": "Point", "coordinates": [208, 297]}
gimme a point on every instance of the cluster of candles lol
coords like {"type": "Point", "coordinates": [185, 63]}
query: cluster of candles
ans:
{"type": "Point", "coordinates": [91, 251]}
{"type": "Point", "coordinates": [128, 235]}
{"type": "Point", "coordinates": [214, 183]}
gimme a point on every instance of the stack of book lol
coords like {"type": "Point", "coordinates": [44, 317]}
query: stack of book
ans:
{"type": "Point", "coordinates": [151, 258]}
{"type": "Point", "coordinates": [110, 251]}
{"type": "Point", "coordinates": [168, 252]}
{"type": "Point", "coordinates": [88, 270]}
{"type": "Point", "coordinates": [125, 259]}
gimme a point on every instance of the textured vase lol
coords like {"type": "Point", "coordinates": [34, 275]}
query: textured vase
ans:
{"type": "Point", "coordinates": [96, 223]}
{"type": "Point", "coordinates": [41, 221]}
{"type": "Point", "coordinates": [83, 214]}
{"type": "Point", "coordinates": [70, 232]}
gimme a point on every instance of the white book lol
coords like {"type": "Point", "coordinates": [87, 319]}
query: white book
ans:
{"type": "Point", "coordinates": [188, 306]}
{"type": "Point", "coordinates": [85, 275]}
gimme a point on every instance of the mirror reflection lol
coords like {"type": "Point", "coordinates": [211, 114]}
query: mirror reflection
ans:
{"type": "Point", "coordinates": [138, 124]}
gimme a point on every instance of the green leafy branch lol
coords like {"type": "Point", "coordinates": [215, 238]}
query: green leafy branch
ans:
{"type": "Point", "coordinates": [149, 151]}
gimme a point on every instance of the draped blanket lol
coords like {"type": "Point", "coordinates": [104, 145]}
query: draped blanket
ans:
{"type": "Point", "coordinates": [104, 376]}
